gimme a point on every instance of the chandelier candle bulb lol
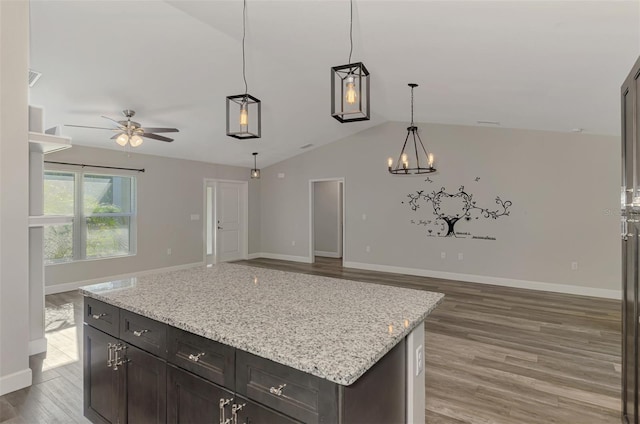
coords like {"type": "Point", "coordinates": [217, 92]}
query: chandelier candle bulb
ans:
{"type": "Point", "coordinates": [390, 163]}
{"type": "Point", "coordinates": [430, 160]}
{"type": "Point", "coordinates": [351, 95]}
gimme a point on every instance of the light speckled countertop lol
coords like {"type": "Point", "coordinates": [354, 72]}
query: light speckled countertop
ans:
{"type": "Point", "coordinates": [334, 329]}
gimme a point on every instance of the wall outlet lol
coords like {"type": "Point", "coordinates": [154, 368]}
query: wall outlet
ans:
{"type": "Point", "coordinates": [367, 249]}
{"type": "Point", "coordinates": [419, 360]}
{"type": "Point", "coordinates": [574, 266]}
{"type": "Point", "coordinates": [293, 242]}
{"type": "Point", "coordinates": [443, 255]}
{"type": "Point", "coordinates": [460, 256]}
{"type": "Point", "coordinates": [280, 174]}
{"type": "Point", "coordinates": [195, 217]}
{"type": "Point", "coordinates": [169, 251]}
{"type": "Point", "coordinates": [364, 216]}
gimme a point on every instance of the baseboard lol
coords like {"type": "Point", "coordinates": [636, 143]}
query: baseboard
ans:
{"type": "Point", "coordinates": [16, 381]}
{"type": "Point", "coordinates": [327, 254]}
{"type": "Point", "coordinates": [278, 256]}
{"type": "Point", "coordinates": [37, 346]}
{"type": "Point", "coordinates": [496, 281]}
{"type": "Point", "coordinates": [64, 287]}
{"type": "Point", "coordinates": [253, 255]}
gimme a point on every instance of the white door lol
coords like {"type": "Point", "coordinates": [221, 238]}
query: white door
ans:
{"type": "Point", "coordinates": [229, 221]}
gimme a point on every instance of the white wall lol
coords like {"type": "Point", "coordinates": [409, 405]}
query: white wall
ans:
{"type": "Point", "coordinates": [169, 192]}
{"type": "Point", "coordinates": [14, 196]}
{"type": "Point", "coordinates": [327, 214]}
{"type": "Point", "coordinates": [564, 188]}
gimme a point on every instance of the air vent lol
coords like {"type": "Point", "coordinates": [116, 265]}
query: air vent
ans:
{"type": "Point", "coordinates": [488, 123]}
{"type": "Point", "coordinates": [34, 76]}
{"type": "Point", "coordinates": [306, 146]}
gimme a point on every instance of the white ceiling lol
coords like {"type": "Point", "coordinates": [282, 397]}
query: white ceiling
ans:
{"type": "Point", "coordinates": [554, 65]}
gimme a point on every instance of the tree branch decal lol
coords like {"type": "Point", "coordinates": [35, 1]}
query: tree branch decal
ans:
{"type": "Point", "coordinates": [450, 208]}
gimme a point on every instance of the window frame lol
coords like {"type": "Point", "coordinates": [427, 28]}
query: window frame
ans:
{"type": "Point", "coordinates": [79, 219]}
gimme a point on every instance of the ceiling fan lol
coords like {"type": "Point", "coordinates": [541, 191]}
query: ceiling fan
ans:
{"type": "Point", "coordinates": [131, 132]}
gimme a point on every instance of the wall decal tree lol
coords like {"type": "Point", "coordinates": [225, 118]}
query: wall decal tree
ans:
{"type": "Point", "coordinates": [450, 208]}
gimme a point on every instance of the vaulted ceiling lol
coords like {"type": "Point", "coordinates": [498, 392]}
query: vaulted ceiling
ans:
{"type": "Point", "coordinates": [551, 65]}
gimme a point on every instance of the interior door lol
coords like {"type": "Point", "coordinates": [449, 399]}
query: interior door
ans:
{"type": "Point", "coordinates": [230, 206]}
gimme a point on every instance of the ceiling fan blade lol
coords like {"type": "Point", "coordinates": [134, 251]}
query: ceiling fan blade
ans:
{"type": "Point", "coordinates": [116, 136]}
{"type": "Point", "coordinates": [112, 120]}
{"type": "Point", "coordinates": [157, 137]}
{"type": "Point", "coordinates": [97, 128]}
{"type": "Point", "coordinates": [160, 130]}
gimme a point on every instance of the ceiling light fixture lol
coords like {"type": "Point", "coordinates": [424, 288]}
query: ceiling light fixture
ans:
{"type": "Point", "coordinates": [244, 111]}
{"type": "Point", "coordinates": [350, 100]}
{"type": "Point", "coordinates": [403, 165]}
{"type": "Point", "coordinates": [255, 172]}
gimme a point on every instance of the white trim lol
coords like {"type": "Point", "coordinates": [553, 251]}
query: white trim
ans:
{"type": "Point", "coordinates": [16, 381]}
{"type": "Point", "coordinates": [64, 287]}
{"type": "Point", "coordinates": [37, 346]}
{"type": "Point", "coordinates": [496, 281]}
{"type": "Point", "coordinates": [278, 256]}
{"type": "Point", "coordinates": [253, 255]}
{"type": "Point", "coordinates": [327, 254]}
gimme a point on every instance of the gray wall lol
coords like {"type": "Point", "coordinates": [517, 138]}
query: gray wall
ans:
{"type": "Point", "coordinates": [564, 188]}
{"type": "Point", "coordinates": [169, 192]}
{"type": "Point", "coordinates": [326, 218]}
{"type": "Point", "coordinates": [14, 197]}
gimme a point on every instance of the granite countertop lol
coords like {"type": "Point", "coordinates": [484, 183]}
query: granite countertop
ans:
{"type": "Point", "coordinates": [332, 328]}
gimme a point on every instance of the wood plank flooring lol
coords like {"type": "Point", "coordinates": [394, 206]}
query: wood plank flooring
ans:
{"type": "Point", "coordinates": [493, 354]}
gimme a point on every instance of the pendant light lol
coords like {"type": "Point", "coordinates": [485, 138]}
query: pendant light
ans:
{"type": "Point", "coordinates": [350, 100]}
{"type": "Point", "coordinates": [255, 172]}
{"type": "Point", "coordinates": [244, 111]}
{"type": "Point", "coordinates": [407, 163]}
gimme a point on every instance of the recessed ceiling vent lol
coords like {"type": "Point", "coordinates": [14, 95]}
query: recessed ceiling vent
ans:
{"type": "Point", "coordinates": [306, 146]}
{"type": "Point", "coordinates": [34, 76]}
{"type": "Point", "coordinates": [496, 123]}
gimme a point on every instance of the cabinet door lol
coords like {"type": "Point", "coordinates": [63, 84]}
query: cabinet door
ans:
{"type": "Point", "coordinates": [146, 384]}
{"type": "Point", "coordinates": [191, 399]}
{"type": "Point", "coordinates": [254, 413]}
{"type": "Point", "coordinates": [102, 384]}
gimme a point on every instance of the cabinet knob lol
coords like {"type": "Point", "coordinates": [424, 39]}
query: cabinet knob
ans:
{"type": "Point", "coordinates": [277, 391]}
{"type": "Point", "coordinates": [98, 316]}
{"type": "Point", "coordinates": [195, 358]}
{"type": "Point", "coordinates": [139, 333]}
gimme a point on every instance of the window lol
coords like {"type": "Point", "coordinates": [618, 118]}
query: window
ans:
{"type": "Point", "coordinates": [100, 212]}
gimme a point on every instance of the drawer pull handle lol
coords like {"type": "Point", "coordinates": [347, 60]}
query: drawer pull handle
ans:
{"type": "Point", "coordinates": [98, 316]}
{"type": "Point", "coordinates": [234, 411]}
{"type": "Point", "coordinates": [140, 332]}
{"type": "Point", "coordinates": [195, 358]}
{"type": "Point", "coordinates": [224, 402]}
{"type": "Point", "coordinates": [110, 354]}
{"type": "Point", "coordinates": [277, 391]}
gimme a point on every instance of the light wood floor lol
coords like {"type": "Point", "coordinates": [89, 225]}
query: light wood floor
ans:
{"type": "Point", "coordinates": [493, 354]}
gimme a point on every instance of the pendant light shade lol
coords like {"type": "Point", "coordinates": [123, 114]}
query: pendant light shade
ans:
{"type": "Point", "coordinates": [414, 157]}
{"type": "Point", "coordinates": [350, 98]}
{"type": "Point", "coordinates": [244, 111]}
{"type": "Point", "coordinates": [255, 172]}
{"type": "Point", "coordinates": [350, 92]}
{"type": "Point", "coordinates": [244, 116]}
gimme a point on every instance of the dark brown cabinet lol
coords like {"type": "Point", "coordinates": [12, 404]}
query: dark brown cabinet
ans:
{"type": "Point", "coordinates": [138, 370]}
{"type": "Point", "coordinates": [194, 400]}
{"type": "Point", "coordinates": [102, 386]}
{"type": "Point", "coordinates": [630, 243]}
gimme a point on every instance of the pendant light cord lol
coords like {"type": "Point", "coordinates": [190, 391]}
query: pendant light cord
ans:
{"type": "Point", "coordinates": [350, 31]}
{"type": "Point", "coordinates": [244, 33]}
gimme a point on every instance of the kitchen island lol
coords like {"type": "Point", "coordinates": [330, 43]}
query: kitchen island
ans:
{"type": "Point", "coordinates": [236, 344]}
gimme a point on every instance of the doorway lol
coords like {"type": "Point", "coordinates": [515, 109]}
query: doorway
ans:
{"type": "Point", "coordinates": [226, 221]}
{"type": "Point", "coordinates": [326, 223]}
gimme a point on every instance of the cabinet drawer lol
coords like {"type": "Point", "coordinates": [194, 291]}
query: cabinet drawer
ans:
{"type": "Point", "coordinates": [102, 316]}
{"type": "Point", "coordinates": [206, 358]}
{"type": "Point", "coordinates": [143, 332]}
{"type": "Point", "coordinates": [305, 397]}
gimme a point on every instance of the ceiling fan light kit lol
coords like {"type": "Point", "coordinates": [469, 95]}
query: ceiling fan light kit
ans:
{"type": "Point", "coordinates": [244, 111]}
{"type": "Point", "coordinates": [131, 132]}
{"type": "Point", "coordinates": [350, 94]}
